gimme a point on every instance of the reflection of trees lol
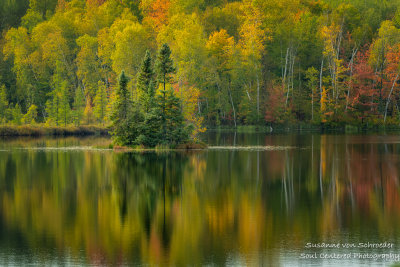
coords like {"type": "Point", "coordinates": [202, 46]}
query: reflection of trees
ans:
{"type": "Point", "coordinates": [92, 199]}
{"type": "Point", "coordinates": [178, 209]}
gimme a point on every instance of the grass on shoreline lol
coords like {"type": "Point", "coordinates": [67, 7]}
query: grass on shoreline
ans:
{"type": "Point", "coordinates": [87, 130]}
{"type": "Point", "coordinates": [41, 130]}
{"type": "Point", "coordinates": [304, 128]}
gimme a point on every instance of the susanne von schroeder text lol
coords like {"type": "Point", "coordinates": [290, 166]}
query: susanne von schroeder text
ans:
{"type": "Point", "coordinates": [350, 245]}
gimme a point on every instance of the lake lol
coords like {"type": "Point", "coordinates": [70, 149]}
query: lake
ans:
{"type": "Point", "coordinates": [250, 199]}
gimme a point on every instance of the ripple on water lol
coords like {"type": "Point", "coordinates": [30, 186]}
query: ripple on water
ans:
{"type": "Point", "coordinates": [69, 148]}
{"type": "Point", "coordinates": [250, 148]}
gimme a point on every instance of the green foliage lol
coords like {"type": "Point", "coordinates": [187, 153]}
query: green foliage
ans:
{"type": "Point", "coordinates": [30, 116]}
{"type": "Point", "coordinates": [88, 65]}
{"type": "Point", "coordinates": [100, 102]}
{"type": "Point", "coordinates": [31, 19]}
{"type": "Point", "coordinates": [173, 130]}
{"type": "Point", "coordinates": [151, 131]}
{"type": "Point", "coordinates": [58, 107]}
{"type": "Point", "coordinates": [65, 109]}
{"type": "Point", "coordinates": [44, 7]}
{"type": "Point", "coordinates": [17, 115]}
{"type": "Point", "coordinates": [78, 107]}
{"type": "Point", "coordinates": [122, 107]}
{"type": "Point", "coordinates": [3, 104]}
{"type": "Point", "coordinates": [162, 121]}
{"type": "Point", "coordinates": [312, 80]}
{"type": "Point", "coordinates": [52, 106]}
{"type": "Point", "coordinates": [11, 13]}
{"type": "Point", "coordinates": [145, 81]}
{"type": "Point", "coordinates": [165, 69]}
{"type": "Point", "coordinates": [164, 65]}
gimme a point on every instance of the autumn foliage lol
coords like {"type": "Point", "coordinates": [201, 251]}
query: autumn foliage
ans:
{"type": "Point", "coordinates": [241, 62]}
{"type": "Point", "coordinates": [363, 96]}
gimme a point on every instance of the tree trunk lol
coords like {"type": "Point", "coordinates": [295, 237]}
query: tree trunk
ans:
{"type": "Point", "coordinates": [258, 98]}
{"type": "Point", "coordinates": [388, 99]}
{"type": "Point", "coordinates": [233, 106]}
{"type": "Point", "coordinates": [351, 74]}
{"type": "Point", "coordinates": [164, 121]}
{"type": "Point", "coordinates": [320, 76]}
{"type": "Point", "coordinates": [284, 75]}
{"type": "Point", "coordinates": [312, 104]}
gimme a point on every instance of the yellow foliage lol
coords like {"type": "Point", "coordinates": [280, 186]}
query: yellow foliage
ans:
{"type": "Point", "coordinates": [88, 112]}
{"type": "Point", "coordinates": [324, 100]}
{"type": "Point", "coordinates": [252, 34]}
{"type": "Point", "coordinates": [190, 100]}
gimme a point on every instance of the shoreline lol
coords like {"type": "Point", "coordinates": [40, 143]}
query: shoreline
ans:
{"type": "Point", "coordinates": [305, 128]}
{"type": "Point", "coordinates": [96, 130]}
{"type": "Point", "coordinates": [41, 130]}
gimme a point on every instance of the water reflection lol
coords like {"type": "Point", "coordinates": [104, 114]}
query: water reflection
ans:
{"type": "Point", "coordinates": [211, 207]}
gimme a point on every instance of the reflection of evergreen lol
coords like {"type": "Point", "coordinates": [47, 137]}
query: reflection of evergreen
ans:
{"type": "Point", "coordinates": [146, 181]}
{"type": "Point", "coordinates": [10, 174]}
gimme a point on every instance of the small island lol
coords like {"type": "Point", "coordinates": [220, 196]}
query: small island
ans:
{"type": "Point", "coordinates": [154, 118]}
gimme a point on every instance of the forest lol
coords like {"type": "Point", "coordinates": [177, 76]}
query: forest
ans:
{"type": "Point", "coordinates": [248, 62]}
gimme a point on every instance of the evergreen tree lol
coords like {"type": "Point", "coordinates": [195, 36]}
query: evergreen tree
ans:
{"type": "Point", "coordinates": [52, 109]}
{"type": "Point", "coordinates": [144, 80]}
{"type": "Point", "coordinates": [165, 68]}
{"type": "Point", "coordinates": [79, 106]}
{"type": "Point", "coordinates": [3, 103]}
{"type": "Point", "coordinates": [145, 74]}
{"type": "Point", "coordinates": [100, 102]}
{"type": "Point", "coordinates": [121, 108]}
{"type": "Point", "coordinates": [58, 108]}
{"type": "Point", "coordinates": [151, 130]}
{"type": "Point", "coordinates": [151, 95]}
{"type": "Point", "coordinates": [174, 132]}
{"type": "Point", "coordinates": [122, 100]}
{"type": "Point", "coordinates": [65, 109]}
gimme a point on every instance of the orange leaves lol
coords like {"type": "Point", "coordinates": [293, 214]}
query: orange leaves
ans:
{"type": "Point", "coordinates": [156, 12]}
{"type": "Point", "coordinates": [61, 5]}
{"type": "Point", "coordinates": [95, 2]}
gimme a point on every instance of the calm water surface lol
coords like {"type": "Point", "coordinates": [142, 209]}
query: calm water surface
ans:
{"type": "Point", "coordinates": [252, 199]}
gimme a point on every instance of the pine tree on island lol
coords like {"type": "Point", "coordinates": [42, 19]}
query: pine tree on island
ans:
{"type": "Point", "coordinates": [121, 109]}
{"type": "Point", "coordinates": [156, 118]}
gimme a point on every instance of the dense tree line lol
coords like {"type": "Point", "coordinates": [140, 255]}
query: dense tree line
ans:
{"type": "Point", "coordinates": [236, 62]}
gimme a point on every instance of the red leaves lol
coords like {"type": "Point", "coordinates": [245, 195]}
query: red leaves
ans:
{"type": "Point", "coordinates": [362, 85]}
{"type": "Point", "coordinates": [275, 105]}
